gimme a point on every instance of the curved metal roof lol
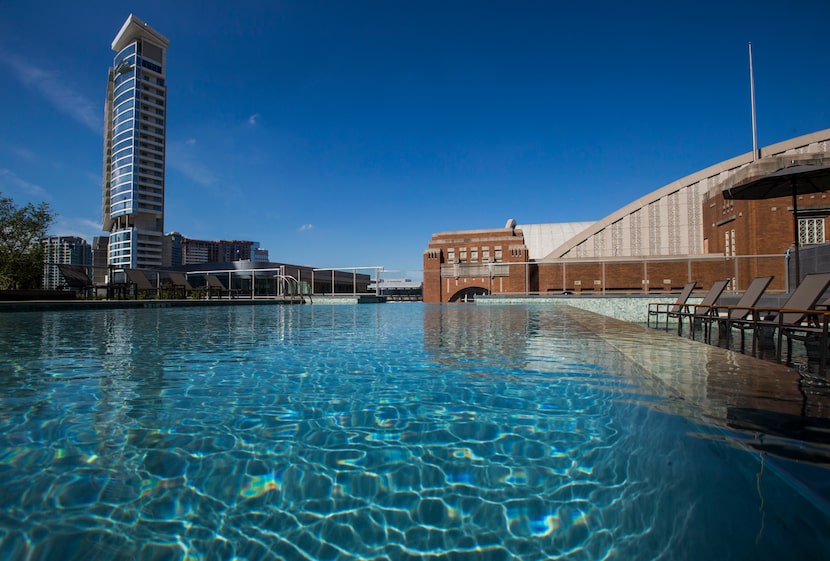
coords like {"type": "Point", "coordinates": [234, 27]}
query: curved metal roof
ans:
{"type": "Point", "coordinates": [541, 239]}
{"type": "Point", "coordinates": [715, 177]}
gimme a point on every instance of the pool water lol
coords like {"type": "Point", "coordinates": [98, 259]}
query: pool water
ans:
{"type": "Point", "coordinates": [377, 432]}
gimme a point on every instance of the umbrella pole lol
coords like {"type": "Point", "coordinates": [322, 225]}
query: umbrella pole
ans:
{"type": "Point", "coordinates": [795, 236]}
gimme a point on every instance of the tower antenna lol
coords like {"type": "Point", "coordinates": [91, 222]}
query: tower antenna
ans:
{"type": "Point", "coordinates": [752, 103]}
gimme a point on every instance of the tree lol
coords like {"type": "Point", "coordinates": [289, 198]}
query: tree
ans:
{"type": "Point", "coordinates": [21, 253]}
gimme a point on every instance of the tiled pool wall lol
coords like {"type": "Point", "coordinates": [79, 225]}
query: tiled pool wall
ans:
{"type": "Point", "coordinates": [627, 308]}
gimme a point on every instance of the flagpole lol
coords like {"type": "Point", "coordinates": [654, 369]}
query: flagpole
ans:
{"type": "Point", "coordinates": [752, 103]}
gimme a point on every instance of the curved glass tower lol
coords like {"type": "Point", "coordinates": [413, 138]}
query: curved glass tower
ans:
{"type": "Point", "coordinates": [134, 141]}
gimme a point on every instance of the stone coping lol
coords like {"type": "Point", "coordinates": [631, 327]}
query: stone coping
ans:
{"type": "Point", "coordinates": [51, 306]}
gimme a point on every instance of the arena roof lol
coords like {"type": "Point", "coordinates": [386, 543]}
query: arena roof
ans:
{"type": "Point", "coordinates": [541, 239]}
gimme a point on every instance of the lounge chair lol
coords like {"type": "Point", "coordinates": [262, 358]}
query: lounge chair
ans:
{"type": "Point", "coordinates": [216, 286]}
{"type": "Point", "coordinates": [179, 283]}
{"type": "Point", "coordinates": [698, 312]}
{"type": "Point", "coordinates": [815, 325]}
{"type": "Point", "coordinates": [658, 309]}
{"type": "Point", "coordinates": [798, 314]}
{"type": "Point", "coordinates": [140, 282]}
{"type": "Point", "coordinates": [742, 309]}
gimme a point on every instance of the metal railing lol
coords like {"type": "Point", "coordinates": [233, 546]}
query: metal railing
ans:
{"type": "Point", "coordinates": [619, 275]}
{"type": "Point", "coordinates": [249, 283]}
{"type": "Point", "coordinates": [272, 282]}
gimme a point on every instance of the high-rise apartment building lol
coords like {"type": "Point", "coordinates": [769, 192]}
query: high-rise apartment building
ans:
{"type": "Point", "coordinates": [134, 147]}
{"type": "Point", "coordinates": [194, 252]}
{"type": "Point", "coordinates": [100, 255]}
{"type": "Point", "coordinates": [63, 250]}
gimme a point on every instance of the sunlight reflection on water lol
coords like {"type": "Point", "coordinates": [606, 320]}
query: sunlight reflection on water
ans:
{"type": "Point", "coordinates": [364, 432]}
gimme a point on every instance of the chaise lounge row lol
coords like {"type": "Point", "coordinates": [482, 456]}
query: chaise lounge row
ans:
{"type": "Point", "coordinates": [135, 284]}
{"type": "Point", "coordinates": [802, 317]}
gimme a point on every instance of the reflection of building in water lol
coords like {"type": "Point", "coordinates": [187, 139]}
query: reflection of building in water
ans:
{"type": "Point", "coordinates": [479, 332]}
{"type": "Point", "coordinates": [101, 367]}
{"type": "Point", "coordinates": [131, 362]}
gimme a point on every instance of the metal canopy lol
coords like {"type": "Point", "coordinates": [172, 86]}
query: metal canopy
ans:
{"type": "Point", "coordinates": [793, 180]}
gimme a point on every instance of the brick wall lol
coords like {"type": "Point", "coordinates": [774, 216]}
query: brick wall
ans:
{"type": "Point", "coordinates": [469, 257]}
{"type": "Point", "coordinates": [730, 228]}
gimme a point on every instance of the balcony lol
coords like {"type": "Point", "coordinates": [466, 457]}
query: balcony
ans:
{"type": "Point", "coordinates": [466, 270]}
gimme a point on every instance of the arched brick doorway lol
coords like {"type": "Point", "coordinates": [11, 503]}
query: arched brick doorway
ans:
{"type": "Point", "coordinates": [468, 294]}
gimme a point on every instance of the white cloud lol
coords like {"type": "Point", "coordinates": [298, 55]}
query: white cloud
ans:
{"type": "Point", "coordinates": [305, 227]}
{"type": "Point", "coordinates": [24, 153]}
{"type": "Point", "coordinates": [193, 170]}
{"type": "Point", "coordinates": [80, 227]}
{"type": "Point", "coordinates": [11, 183]}
{"type": "Point", "coordinates": [254, 119]}
{"type": "Point", "coordinates": [55, 90]}
{"type": "Point", "coordinates": [181, 159]}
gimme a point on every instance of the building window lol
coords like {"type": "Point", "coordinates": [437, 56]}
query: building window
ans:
{"type": "Point", "coordinates": [729, 243]}
{"type": "Point", "coordinates": [498, 254]}
{"type": "Point", "coordinates": [810, 231]}
{"type": "Point", "coordinates": [462, 255]}
{"type": "Point", "coordinates": [451, 255]}
{"type": "Point", "coordinates": [473, 255]}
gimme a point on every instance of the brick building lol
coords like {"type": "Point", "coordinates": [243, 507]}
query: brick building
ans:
{"type": "Point", "coordinates": [763, 227]}
{"type": "Point", "coordinates": [685, 231]}
{"type": "Point", "coordinates": [460, 265]}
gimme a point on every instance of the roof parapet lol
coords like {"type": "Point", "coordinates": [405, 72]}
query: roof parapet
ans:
{"type": "Point", "coordinates": [134, 28]}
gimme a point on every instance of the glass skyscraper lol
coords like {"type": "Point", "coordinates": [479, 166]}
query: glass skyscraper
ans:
{"type": "Point", "coordinates": [134, 147]}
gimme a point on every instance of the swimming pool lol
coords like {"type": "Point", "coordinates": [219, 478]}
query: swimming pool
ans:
{"type": "Point", "coordinates": [384, 432]}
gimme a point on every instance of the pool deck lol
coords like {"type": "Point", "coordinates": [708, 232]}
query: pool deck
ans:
{"type": "Point", "coordinates": [770, 406]}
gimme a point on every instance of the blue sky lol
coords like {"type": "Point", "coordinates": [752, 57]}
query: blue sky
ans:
{"type": "Point", "coordinates": [346, 133]}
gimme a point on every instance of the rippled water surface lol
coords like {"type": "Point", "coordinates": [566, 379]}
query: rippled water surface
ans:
{"type": "Point", "coordinates": [377, 432]}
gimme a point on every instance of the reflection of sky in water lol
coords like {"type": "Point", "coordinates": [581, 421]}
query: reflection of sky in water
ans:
{"type": "Point", "coordinates": [368, 432]}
